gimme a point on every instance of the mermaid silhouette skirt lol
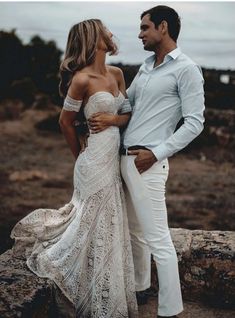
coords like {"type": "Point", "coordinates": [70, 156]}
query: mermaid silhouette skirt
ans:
{"type": "Point", "coordinates": [84, 247]}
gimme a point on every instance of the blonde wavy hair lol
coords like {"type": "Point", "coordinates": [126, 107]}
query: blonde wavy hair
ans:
{"type": "Point", "coordinates": [83, 40]}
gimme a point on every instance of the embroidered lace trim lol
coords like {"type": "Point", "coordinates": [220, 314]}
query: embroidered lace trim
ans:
{"type": "Point", "coordinates": [71, 104]}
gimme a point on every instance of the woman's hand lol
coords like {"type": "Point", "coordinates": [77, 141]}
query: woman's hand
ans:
{"type": "Point", "coordinates": [101, 121]}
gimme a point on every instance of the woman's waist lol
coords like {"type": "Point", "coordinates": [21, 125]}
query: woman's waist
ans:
{"type": "Point", "coordinates": [102, 143]}
{"type": "Point", "coordinates": [109, 134]}
{"type": "Point", "coordinates": [110, 129]}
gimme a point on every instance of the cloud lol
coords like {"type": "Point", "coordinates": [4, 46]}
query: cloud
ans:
{"type": "Point", "coordinates": [206, 26]}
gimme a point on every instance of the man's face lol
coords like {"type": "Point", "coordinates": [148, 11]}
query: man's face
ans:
{"type": "Point", "coordinates": [150, 36]}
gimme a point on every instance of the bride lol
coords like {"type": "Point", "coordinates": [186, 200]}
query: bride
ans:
{"type": "Point", "coordinates": [84, 247]}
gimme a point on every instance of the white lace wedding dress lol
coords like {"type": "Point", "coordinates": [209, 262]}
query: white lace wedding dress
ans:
{"type": "Point", "coordinates": [84, 247]}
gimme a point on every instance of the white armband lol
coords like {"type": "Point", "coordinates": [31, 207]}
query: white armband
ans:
{"type": "Point", "coordinates": [72, 105]}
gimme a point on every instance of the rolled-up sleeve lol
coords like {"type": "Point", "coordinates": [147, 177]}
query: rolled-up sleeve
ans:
{"type": "Point", "coordinates": [191, 94]}
{"type": "Point", "coordinates": [125, 107]}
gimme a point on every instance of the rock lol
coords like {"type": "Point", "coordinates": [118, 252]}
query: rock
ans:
{"type": "Point", "coordinates": [22, 294]}
{"type": "Point", "coordinates": [182, 239]}
{"type": "Point", "coordinates": [206, 264]}
{"type": "Point", "coordinates": [212, 256]}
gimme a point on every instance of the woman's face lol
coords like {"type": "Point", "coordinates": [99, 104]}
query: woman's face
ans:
{"type": "Point", "coordinates": [106, 44]}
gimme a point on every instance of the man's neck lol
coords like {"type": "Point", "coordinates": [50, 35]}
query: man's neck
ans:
{"type": "Point", "coordinates": [162, 51]}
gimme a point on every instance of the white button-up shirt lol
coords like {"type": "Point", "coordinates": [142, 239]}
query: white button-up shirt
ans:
{"type": "Point", "coordinates": [160, 96]}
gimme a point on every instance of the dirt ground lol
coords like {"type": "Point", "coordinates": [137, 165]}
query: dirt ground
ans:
{"type": "Point", "coordinates": [191, 310]}
{"type": "Point", "coordinates": [36, 169]}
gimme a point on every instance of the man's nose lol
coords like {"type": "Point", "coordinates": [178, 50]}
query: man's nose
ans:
{"type": "Point", "coordinates": [140, 35]}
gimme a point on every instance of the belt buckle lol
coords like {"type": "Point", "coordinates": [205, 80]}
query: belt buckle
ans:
{"type": "Point", "coordinates": [126, 151]}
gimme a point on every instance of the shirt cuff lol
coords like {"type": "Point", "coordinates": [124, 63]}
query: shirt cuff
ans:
{"type": "Point", "coordinates": [160, 152]}
{"type": "Point", "coordinates": [125, 107]}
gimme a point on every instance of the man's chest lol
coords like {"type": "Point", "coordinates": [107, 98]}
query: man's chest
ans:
{"type": "Point", "coordinates": [156, 84]}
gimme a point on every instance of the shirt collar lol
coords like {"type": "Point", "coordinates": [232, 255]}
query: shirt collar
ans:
{"type": "Point", "coordinates": [173, 54]}
{"type": "Point", "coordinates": [150, 60]}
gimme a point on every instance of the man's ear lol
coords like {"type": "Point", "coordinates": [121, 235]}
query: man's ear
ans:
{"type": "Point", "coordinates": [164, 27]}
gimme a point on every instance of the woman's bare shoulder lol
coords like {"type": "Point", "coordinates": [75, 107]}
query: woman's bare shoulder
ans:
{"type": "Point", "coordinates": [79, 85]}
{"type": "Point", "coordinates": [81, 79]}
{"type": "Point", "coordinates": [115, 70]}
{"type": "Point", "coordinates": [117, 73]}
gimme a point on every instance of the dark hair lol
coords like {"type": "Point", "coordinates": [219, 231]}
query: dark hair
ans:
{"type": "Point", "coordinates": [81, 47]}
{"type": "Point", "coordinates": [165, 13]}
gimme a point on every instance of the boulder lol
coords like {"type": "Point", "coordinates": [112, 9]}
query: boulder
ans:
{"type": "Point", "coordinates": [206, 264]}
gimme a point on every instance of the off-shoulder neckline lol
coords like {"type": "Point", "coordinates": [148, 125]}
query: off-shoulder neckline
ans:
{"type": "Point", "coordinates": [104, 92]}
{"type": "Point", "coordinates": [97, 93]}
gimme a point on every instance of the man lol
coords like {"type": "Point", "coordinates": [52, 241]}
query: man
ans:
{"type": "Point", "coordinates": [168, 86]}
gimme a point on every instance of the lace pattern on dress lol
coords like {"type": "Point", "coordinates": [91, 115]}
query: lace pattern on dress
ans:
{"type": "Point", "coordinates": [84, 247]}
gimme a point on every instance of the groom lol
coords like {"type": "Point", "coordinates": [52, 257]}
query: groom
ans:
{"type": "Point", "coordinates": [168, 86]}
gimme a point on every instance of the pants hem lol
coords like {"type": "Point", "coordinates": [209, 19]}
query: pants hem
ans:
{"type": "Point", "coordinates": [173, 313]}
{"type": "Point", "coordinates": [142, 288]}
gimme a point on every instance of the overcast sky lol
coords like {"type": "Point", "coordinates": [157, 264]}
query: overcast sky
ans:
{"type": "Point", "coordinates": [207, 35]}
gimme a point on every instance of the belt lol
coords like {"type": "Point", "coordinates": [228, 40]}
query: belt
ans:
{"type": "Point", "coordinates": [124, 151]}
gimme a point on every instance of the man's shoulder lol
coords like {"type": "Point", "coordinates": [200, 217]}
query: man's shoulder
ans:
{"type": "Point", "coordinates": [184, 60]}
{"type": "Point", "coordinates": [185, 65]}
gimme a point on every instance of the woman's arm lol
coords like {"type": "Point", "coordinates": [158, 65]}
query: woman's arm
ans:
{"type": "Point", "coordinates": [101, 121]}
{"type": "Point", "coordinates": [76, 91]}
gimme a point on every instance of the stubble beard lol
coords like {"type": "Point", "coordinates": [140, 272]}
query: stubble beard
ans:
{"type": "Point", "coordinates": [149, 47]}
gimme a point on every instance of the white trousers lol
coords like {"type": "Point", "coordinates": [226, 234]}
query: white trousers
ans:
{"type": "Point", "coordinates": [147, 216]}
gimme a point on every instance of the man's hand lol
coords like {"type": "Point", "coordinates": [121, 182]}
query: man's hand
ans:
{"type": "Point", "coordinates": [82, 133]}
{"type": "Point", "coordinates": [100, 121]}
{"type": "Point", "coordinates": [144, 160]}
{"type": "Point", "coordinates": [83, 142]}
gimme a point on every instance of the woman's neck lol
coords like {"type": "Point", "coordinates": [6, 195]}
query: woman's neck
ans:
{"type": "Point", "coordinates": [98, 66]}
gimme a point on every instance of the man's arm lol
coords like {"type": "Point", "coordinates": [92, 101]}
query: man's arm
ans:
{"type": "Point", "coordinates": [191, 93]}
{"type": "Point", "coordinates": [101, 121]}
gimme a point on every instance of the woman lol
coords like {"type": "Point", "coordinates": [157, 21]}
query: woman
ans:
{"type": "Point", "coordinates": [84, 247]}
